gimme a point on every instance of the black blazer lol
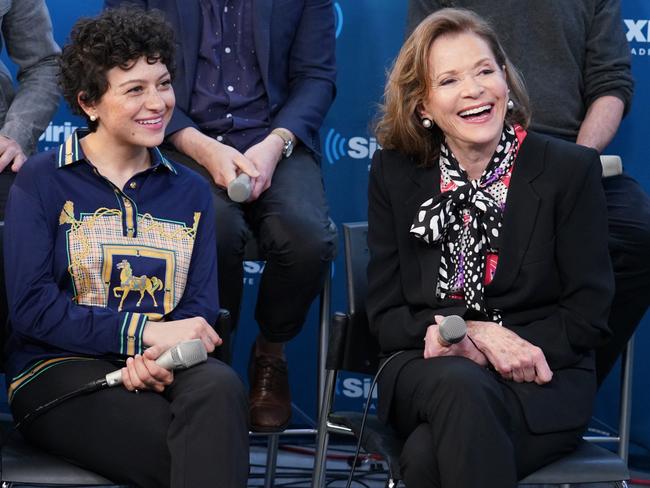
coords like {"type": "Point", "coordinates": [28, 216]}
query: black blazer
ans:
{"type": "Point", "coordinates": [553, 283]}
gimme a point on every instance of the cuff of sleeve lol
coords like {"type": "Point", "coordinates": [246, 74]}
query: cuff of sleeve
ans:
{"type": "Point", "coordinates": [20, 134]}
{"type": "Point", "coordinates": [131, 333]}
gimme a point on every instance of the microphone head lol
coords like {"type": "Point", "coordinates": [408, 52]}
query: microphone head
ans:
{"type": "Point", "coordinates": [239, 189]}
{"type": "Point", "coordinates": [188, 353]}
{"type": "Point", "coordinates": [452, 329]}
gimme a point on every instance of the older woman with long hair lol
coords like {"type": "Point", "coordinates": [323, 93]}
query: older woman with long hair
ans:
{"type": "Point", "coordinates": [470, 214]}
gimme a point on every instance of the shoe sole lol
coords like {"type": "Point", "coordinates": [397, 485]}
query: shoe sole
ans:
{"type": "Point", "coordinates": [269, 430]}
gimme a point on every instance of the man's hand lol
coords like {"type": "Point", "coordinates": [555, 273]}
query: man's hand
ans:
{"type": "Point", "coordinates": [465, 348]}
{"type": "Point", "coordinates": [223, 162]}
{"type": "Point", "coordinates": [11, 153]}
{"type": "Point", "coordinates": [511, 356]}
{"type": "Point", "coordinates": [265, 155]}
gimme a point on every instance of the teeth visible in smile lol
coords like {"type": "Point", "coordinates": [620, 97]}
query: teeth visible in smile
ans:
{"type": "Point", "coordinates": [149, 122]}
{"type": "Point", "coordinates": [473, 111]}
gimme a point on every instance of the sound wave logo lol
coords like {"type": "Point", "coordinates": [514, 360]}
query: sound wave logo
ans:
{"type": "Point", "coordinates": [357, 147]}
{"type": "Point", "coordinates": [335, 147]}
{"type": "Point", "coordinates": [338, 18]}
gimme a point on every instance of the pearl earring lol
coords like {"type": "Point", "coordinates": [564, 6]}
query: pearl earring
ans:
{"type": "Point", "coordinates": [510, 104]}
{"type": "Point", "coordinates": [93, 118]}
{"type": "Point", "coordinates": [427, 123]}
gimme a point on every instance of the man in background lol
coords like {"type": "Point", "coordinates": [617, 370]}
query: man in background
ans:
{"type": "Point", "coordinates": [254, 81]}
{"type": "Point", "coordinates": [27, 107]}
{"type": "Point", "coordinates": [576, 63]}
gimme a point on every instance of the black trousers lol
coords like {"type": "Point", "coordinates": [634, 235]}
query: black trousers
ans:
{"type": "Point", "coordinates": [465, 429]}
{"type": "Point", "coordinates": [291, 223]}
{"type": "Point", "coordinates": [628, 213]}
{"type": "Point", "coordinates": [194, 434]}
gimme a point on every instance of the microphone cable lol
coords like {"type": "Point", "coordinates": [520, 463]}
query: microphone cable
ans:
{"type": "Point", "coordinates": [90, 387]}
{"type": "Point", "coordinates": [365, 416]}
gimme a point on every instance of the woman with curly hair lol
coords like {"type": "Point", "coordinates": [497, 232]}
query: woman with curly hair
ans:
{"type": "Point", "coordinates": [110, 261]}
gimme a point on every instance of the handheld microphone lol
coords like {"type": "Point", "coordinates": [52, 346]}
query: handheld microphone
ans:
{"type": "Point", "coordinates": [239, 189]}
{"type": "Point", "coordinates": [451, 330]}
{"type": "Point", "coordinates": [182, 356]}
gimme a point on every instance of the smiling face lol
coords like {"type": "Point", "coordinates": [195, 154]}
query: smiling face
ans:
{"type": "Point", "coordinates": [467, 94]}
{"type": "Point", "coordinates": [136, 107]}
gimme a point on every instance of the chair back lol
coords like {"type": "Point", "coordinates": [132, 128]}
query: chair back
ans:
{"type": "Point", "coordinates": [361, 350]}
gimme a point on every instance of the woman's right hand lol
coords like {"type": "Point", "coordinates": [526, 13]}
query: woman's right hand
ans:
{"type": "Point", "coordinates": [433, 347]}
{"type": "Point", "coordinates": [167, 334]}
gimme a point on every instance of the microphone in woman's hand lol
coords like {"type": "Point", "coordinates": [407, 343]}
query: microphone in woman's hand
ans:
{"type": "Point", "coordinates": [451, 330]}
{"type": "Point", "coordinates": [182, 356]}
{"type": "Point", "coordinates": [239, 189]}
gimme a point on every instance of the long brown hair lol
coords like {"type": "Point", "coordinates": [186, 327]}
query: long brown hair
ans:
{"type": "Point", "coordinates": [398, 126]}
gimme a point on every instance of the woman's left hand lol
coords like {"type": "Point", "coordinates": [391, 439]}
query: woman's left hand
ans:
{"type": "Point", "coordinates": [511, 356]}
{"type": "Point", "coordinates": [143, 373]}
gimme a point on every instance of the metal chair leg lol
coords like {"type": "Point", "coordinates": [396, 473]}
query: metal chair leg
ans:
{"type": "Point", "coordinates": [271, 459]}
{"type": "Point", "coordinates": [323, 339]}
{"type": "Point", "coordinates": [626, 401]}
{"type": "Point", "coordinates": [320, 461]}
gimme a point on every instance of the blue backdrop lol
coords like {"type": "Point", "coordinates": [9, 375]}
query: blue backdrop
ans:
{"type": "Point", "coordinates": [369, 33]}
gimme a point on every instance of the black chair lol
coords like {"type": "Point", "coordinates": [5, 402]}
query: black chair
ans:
{"type": "Point", "coordinates": [352, 348]}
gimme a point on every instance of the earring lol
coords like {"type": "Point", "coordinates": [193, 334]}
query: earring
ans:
{"type": "Point", "coordinates": [93, 118]}
{"type": "Point", "coordinates": [510, 104]}
{"type": "Point", "coordinates": [427, 123]}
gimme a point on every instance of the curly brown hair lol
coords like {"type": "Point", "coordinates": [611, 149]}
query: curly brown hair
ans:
{"type": "Point", "coordinates": [398, 125]}
{"type": "Point", "coordinates": [116, 37]}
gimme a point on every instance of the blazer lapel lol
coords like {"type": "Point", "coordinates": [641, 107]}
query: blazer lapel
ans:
{"type": "Point", "coordinates": [426, 184]}
{"type": "Point", "coordinates": [189, 27]}
{"type": "Point", "coordinates": [519, 218]}
{"type": "Point", "coordinates": [262, 33]}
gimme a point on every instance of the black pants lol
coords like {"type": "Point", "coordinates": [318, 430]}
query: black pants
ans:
{"type": "Point", "coordinates": [628, 213]}
{"type": "Point", "coordinates": [465, 429]}
{"type": "Point", "coordinates": [291, 222]}
{"type": "Point", "coordinates": [194, 434]}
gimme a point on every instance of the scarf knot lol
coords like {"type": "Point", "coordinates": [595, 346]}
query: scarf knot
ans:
{"type": "Point", "coordinates": [465, 219]}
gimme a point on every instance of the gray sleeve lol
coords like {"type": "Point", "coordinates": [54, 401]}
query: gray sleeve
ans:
{"type": "Point", "coordinates": [607, 63]}
{"type": "Point", "coordinates": [27, 31]}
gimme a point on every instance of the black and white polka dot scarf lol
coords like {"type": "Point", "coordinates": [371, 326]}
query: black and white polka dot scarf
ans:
{"type": "Point", "coordinates": [466, 218]}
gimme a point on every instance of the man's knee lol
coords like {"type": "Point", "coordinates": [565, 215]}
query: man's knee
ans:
{"type": "Point", "coordinates": [296, 239]}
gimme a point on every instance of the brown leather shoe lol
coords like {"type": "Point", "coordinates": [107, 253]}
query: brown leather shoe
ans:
{"type": "Point", "coordinates": [269, 397]}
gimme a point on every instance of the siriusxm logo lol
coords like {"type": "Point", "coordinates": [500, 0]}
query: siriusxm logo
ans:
{"type": "Point", "coordinates": [337, 146]}
{"type": "Point", "coordinates": [252, 271]}
{"type": "Point", "coordinates": [356, 388]}
{"type": "Point", "coordinates": [338, 12]}
{"type": "Point", "coordinates": [638, 30]}
{"type": "Point", "coordinates": [57, 133]}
